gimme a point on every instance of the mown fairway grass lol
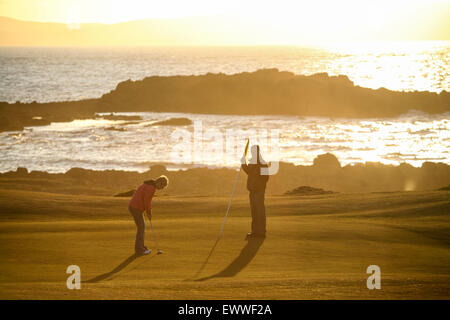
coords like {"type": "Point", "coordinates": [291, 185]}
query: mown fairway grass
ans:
{"type": "Point", "coordinates": [317, 247]}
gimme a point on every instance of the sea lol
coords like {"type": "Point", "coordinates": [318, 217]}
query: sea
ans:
{"type": "Point", "coordinates": [46, 74]}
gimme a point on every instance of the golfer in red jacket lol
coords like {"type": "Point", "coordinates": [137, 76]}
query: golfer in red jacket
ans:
{"type": "Point", "coordinates": [140, 202]}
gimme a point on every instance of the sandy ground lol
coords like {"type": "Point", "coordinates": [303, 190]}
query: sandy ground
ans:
{"type": "Point", "coordinates": [318, 247]}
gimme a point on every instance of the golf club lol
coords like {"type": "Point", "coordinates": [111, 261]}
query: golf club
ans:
{"type": "Point", "coordinates": [159, 251]}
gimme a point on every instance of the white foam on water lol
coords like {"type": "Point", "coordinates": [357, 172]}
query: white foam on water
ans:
{"type": "Point", "coordinates": [412, 138]}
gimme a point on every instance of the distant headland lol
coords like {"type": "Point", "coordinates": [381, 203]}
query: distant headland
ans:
{"type": "Point", "coordinates": [266, 91]}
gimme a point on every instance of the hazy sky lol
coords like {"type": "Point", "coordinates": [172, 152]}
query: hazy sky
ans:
{"type": "Point", "coordinates": [288, 19]}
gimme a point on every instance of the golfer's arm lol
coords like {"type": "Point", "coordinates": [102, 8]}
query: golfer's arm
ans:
{"type": "Point", "coordinates": [148, 202]}
{"type": "Point", "coordinates": [244, 167]}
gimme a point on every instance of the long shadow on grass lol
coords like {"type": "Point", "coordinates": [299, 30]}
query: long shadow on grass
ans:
{"type": "Point", "coordinates": [120, 267]}
{"type": "Point", "coordinates": [245, 257]}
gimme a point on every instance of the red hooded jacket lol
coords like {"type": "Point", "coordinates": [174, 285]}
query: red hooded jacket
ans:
{"type": "Point", "coordinates": [142, 198]}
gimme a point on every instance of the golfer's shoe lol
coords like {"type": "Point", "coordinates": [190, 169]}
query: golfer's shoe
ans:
{"type": "Point", "coordinates": [145, 252]}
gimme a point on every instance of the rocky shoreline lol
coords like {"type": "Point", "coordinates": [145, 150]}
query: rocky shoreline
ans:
{"type": "Point", "coordinates": [267, 91]}
{"type": "Point", "coordinates": [326, 173]}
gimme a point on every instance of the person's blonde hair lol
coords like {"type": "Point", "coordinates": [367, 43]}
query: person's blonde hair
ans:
{"type": "Point", "coordinates": [163, 177]}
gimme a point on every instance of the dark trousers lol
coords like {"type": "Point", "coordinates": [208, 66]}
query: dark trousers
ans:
{"type": "Point", "coordinates": [138, 217]}
{"type": "Point", "coordinates": [258, 213]}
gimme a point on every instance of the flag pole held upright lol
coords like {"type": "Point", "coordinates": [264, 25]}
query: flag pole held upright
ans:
{"type": "Point", "coordinates": [234, 189]}
{"type": "Point", "coordinates": [226, 215]}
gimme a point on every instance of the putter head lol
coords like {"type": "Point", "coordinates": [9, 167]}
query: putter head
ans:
{"type": "Point", "coordinates": [160, 251]}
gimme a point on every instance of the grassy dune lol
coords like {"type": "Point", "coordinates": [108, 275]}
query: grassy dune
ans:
{"type": "Point", "coordinates": [317, 247]}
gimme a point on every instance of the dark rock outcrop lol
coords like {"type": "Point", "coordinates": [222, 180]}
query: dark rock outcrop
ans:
{"type": "Point", "coordinates": [112, 116]}
{"type": "Point", "coordinates": [327, 161]}
{"type": "Point", "coordinates": [306, 190]}
{"type": "Point", "coordinates": [173, 122]}
{"type": "Point", "coordinates": [361, 177]}
{"type": "Point", "coordinates": [126, 194]}
{"type": "Point", "coordinates": [267, 91]}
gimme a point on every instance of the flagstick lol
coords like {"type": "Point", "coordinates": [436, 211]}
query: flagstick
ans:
{"type": "Point", "coordinates": [226, 215]}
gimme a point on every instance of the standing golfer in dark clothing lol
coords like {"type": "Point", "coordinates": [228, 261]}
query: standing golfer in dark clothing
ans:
{"type": "Point", "coordinates": [256, 185]}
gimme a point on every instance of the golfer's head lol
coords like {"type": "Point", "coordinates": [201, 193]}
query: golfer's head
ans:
{"type": "Point", "coordinates": [161, 182]}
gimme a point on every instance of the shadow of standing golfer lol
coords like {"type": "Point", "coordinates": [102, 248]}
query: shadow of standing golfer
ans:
{"type": "Point", "coordinates": [245, 257]}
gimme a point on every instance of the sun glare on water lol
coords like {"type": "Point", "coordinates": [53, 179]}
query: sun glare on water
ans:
{"type": "Point", "coordinates": [110, 144]}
